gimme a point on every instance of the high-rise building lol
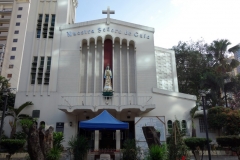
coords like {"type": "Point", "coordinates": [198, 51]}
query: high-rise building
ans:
{"type": "Point", "coordinates": [15, 35]}
{"type": "Point", "coordinates": [6, 7]}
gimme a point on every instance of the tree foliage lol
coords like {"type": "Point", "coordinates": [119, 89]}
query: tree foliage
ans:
{"type": "Point", "coordinates": [4, 84]}
{"type": "Point", "coordinates": [220, 117]}
{"type": "Point", "coordinates": [176, 145]}
{"type": "Point", "coordinates": [130, 150]}
{"type": "Point", "coordinates": [79, 146]}
{"type": "Point", "coordinates": [157, 152]}
{"type": "Point", "coordinates": [202, 66]}
{"type": "Point", "coordinates": [15, 113]}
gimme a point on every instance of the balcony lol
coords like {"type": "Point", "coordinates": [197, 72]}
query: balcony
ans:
{"type": "Point", "coordinates": [74, 104]}
{"type": "Point", "coordinates": [5, 10]}
{"type": "Point", "coordinates": [3, 35]}
{"type": "Point", "coordinates": [5, 19]}
{"type": "Point", "coordinates": [3, 42]}
{"type": "Point", "coordinates": [4, 28]}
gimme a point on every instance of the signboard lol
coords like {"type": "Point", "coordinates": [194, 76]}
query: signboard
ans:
{"type": "Point", "coordinates": [157, 122]}
{"type": "Point", "coordinates": [60, 127]}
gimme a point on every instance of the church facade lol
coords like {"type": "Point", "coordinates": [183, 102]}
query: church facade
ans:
{"type": "Point", "coordinates": [74, 71]}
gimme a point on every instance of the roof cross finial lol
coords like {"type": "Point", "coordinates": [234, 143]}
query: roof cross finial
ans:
{"type": "Point", "coordinates": [108, 12]}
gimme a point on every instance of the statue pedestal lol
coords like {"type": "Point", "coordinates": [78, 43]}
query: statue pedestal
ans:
{"type": "Point", "coordinates": [107, 93]}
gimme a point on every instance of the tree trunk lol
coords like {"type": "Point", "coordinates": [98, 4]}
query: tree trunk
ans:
{"type": "Point", "coordinates": [34, 148]}
{"type": "Point", "coordinates": [46, 139]}
{"type": "Point", "coordinates": [194, 132]}
{"type": "Point", "coordinates": [13, 132]}
{"type": "Point", "coordinates": [39, 141]}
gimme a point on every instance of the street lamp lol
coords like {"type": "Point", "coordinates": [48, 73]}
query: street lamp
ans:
{"type": "Point", "coordinates": [5, 93]}
{"type": "Point", "coordinates": [203, 95]}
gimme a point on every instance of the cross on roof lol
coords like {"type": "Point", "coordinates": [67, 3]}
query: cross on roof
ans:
{"type": "Point", "coordinates": [108, 12]}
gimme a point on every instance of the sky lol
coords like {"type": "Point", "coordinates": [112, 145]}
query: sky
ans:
{"type": "Point", "coordinates": [173, 20]}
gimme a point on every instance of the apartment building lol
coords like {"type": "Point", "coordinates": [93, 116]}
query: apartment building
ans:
{"type": "Point", "coordinates": [14, 16]}
{"type": "Point", "coordinates": [5, 17]}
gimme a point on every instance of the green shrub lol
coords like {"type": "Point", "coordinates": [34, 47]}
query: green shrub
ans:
{"type": "Point", "coordinates": [20, 135]}
{"type": "Point", "coordinates": [4, 137]}
{"type": "Point", "coordinates": [158, 152]}
{"type": "Point", "coordinates": [79, 146]}
{"type": "Point", "coordinates": [57, 140]}
{"type": "Point", "coordinates": [54, 154]}
{"type": "Point", "coordinates": [194, 143]}
{"type": "Point", "coordinates": [232, 142]}
{"type": "Point", "coordinates": [229, 141]}
{"type": "Point", "coordinates": [13, 145]}
{"type": "Point", "coordinates": [130, 150]}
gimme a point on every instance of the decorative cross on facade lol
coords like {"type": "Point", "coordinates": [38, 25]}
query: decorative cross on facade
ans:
{"type": "Point", "coordinates": [108, 12]}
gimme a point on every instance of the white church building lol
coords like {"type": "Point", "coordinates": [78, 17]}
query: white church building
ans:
{"type": "Point", "coordinates": [63, 74]}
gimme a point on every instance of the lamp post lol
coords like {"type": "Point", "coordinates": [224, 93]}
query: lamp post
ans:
{"type": "Point", "coordinates": [205, 124]}
{"type": "Point", "coordinates": [5, 93]}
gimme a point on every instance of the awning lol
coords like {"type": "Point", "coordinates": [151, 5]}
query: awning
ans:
{"type": "Point", "coordinates": [103, 121]}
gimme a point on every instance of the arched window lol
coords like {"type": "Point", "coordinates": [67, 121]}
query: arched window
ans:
{"type": "Point", "coordinates": [42, 124]}
{"type": "Point", "coordinates": [184, 126]}
{"type": "Point", "coordinates": [170, 125]}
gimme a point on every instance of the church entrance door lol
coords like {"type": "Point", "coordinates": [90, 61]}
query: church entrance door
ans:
{"type": "Point", "coordinates": [107, 139]}
{"type": "Point", "coordinates": [128, 133]}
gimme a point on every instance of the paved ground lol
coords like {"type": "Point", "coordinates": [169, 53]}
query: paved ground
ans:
{"type": "Point", "coordinates": [205, 158]}
{"type": "Point", "coordinates": [219, 158]}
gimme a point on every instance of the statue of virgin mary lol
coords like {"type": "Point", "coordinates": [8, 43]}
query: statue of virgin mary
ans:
{"type": "Point", "coordinates": [108, 77]}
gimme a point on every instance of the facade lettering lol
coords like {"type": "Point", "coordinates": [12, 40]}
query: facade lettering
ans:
{"type": "Point", "coordinates": [108, 29]}
{"type": "Point", "coordinates": [136, 34]}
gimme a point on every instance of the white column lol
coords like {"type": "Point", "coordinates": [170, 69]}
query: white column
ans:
{"type": "Point", "coordinates": [113, 66]}
{"type": "Point", "coordinates": [135, 70]}
{"type": "Point", "coordinates": [96, 140]}
{"type": "Point", "coordinates": [128, 69]}
{"type": "Point", "coordinates": [128, 85]}
{"type": "Point", "coordinates": [120, 68]}
{"type": "Point", "coordinates": [80, 66]}
{"type": "Point", "coordinates": [87, 74]}
{"type": "Point", "coordinates": [102, 64]}
{"type": "Point", "coordinates": [118, 139]}
{"type": "Point", "coordinates": [94, 74]}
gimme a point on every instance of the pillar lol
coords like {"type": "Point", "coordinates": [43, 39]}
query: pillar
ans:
{"type": "Point", "coordinates": [87, 69]}
{"type": "Point", "coordinates": [96, 140]}
{"type": "Point", "coordinates": [113, 65]}
{"type": "Point", "coordinates": [118, 139]}
{"type": "Point", "coordinates": [102, 64]}
{"type": "Point", "coordinates": [120, 68]}
{"type": "Point", "coordinates": [80, 60]}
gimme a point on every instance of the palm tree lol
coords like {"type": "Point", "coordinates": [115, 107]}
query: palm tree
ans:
{"type": "Point", "coordinates": [222, 65]}
{"type": "Point", "coordinates": [15, 113]}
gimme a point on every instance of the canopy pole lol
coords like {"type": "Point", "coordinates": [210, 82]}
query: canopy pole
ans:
{"type": "Point", "coordinates": [96, 140]}
{"type": "Point", "coordinates": [118, 139]}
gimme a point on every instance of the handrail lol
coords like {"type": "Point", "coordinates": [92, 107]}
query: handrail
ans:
{"type": "Point", "coordinates": [107, 100]}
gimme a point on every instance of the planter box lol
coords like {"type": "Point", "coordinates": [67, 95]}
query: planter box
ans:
{"type": "Point", "coordinates": [16, 155]}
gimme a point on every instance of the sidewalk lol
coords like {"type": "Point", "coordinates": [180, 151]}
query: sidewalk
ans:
{"type": "Point", "coordinates": [219, 158]}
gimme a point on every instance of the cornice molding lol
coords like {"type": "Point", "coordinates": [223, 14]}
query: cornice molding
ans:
{"type": "Point", "coordinates": [23, 1]}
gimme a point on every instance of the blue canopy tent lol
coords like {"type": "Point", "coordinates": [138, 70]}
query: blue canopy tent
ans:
{"type": "Point", "coordinates": [103, 121]}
